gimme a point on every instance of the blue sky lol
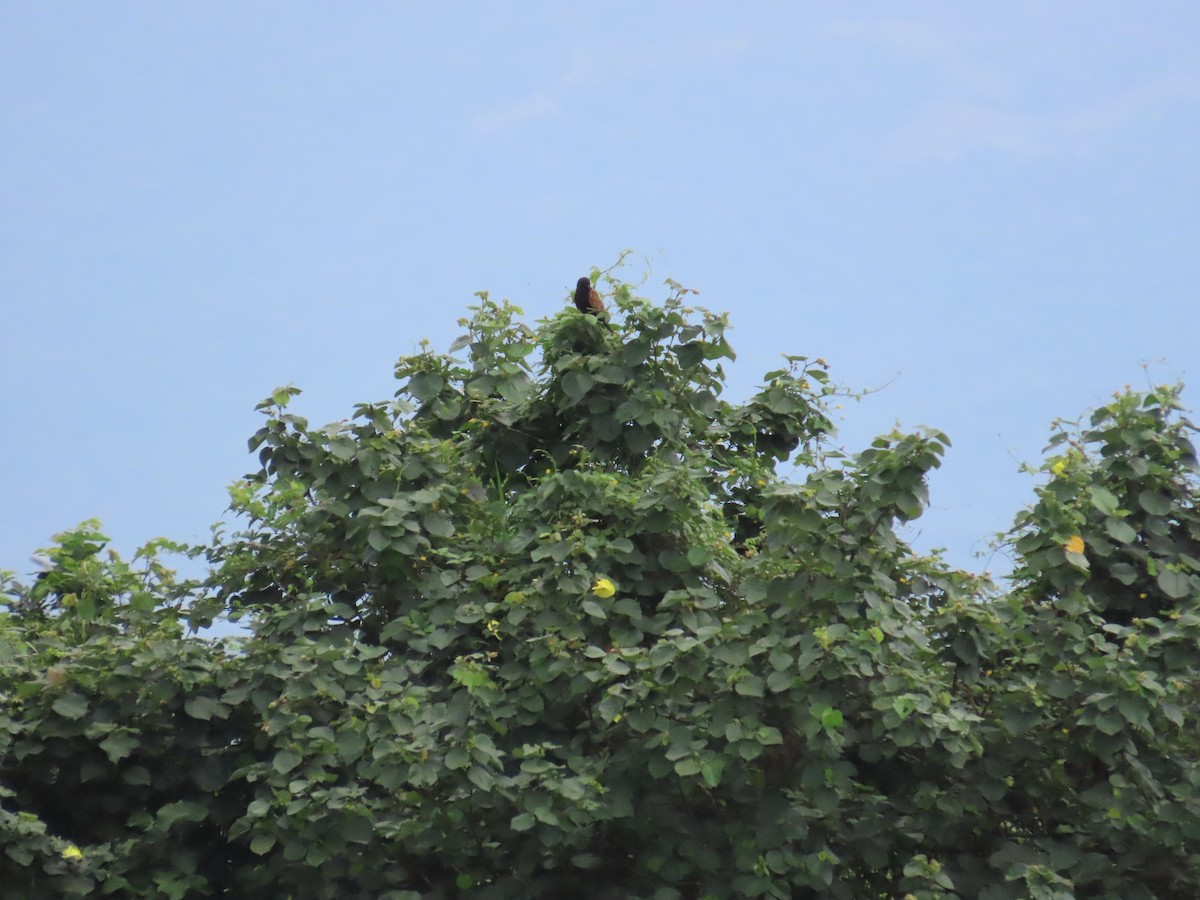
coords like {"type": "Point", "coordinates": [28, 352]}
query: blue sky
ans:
{"type": "Point", "coordinates": [989, 212]}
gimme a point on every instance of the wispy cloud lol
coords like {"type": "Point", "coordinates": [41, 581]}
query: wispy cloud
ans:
{"type": "Point", "coordinates": [1121, 109]}
{"type": "Point", "coordinates": [911, 38]}
{"type": "Point", "coordinates": [684, 50]}
{"type": "Point", "coordinates": [987, 108]}
{"type": "Point", "coordinates": [537, 106]}
{"type": "Point", "coordinates": [948, 131]}
{"type": "Point", "coordinates": [952, 55]}
{"type": "Point", "coordinates": [595, 66]}
{"type": "Point", "coordinates": [633, 60]}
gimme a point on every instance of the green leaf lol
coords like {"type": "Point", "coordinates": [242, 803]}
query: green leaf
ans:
{"type": "Point", "coordinates": [576, 384]}
{"type": "Point", "coordinates": [831, 718]}
{"type": "Point", "coordinates": [1134, 709]}
{"type": "Point", "coordinates": [261, 844]}
{"type": "Point", "coordinates": [572, 789]}
{"type": "Point", "coordinates": [205, 708]}
{"type": "Point", "coordinates": [28, 688]}
{"type": "Point", "coordinates": [691, 354]}
{"type": "Point", "coordinates": [343, 447]}
{"type": "Point", "coordinates": [281, 396]}
{"type": "Point", "coordinates": [182, 811]}
{"type": "Point", "coordinates": [711, 770]}
{"type": "Point", "coordinates": [732, 654]}
{"type": "Point", "coordinates": [70, 706]}
{"type": "Point", "coordinates": [350, 743]}
{"type": "Point", "coordinates": [769, 736]}
{"type": "Point", "coordinates": [1155, 504]}
{"type": "Point", "coordinates": [1017, 721]}
{"type": "Point", "coordinates": [138, 775]}
{"type": "Point", "coordinates": [749, 687]}
{"type": "Point", "coordinates": [515, 390]}
{"type": "Point", "coordinates": [357, 831]}
{"type": "Point", "coordinates": [425, 386]}
{"type": "Point", "coordinates": [258, 808]}
{"type": "Point", "coordinates": [1123, 572]}
{"type": "Point", "coordinates": [1104, 500]}
{"type": "Point", "coordinates": [780, 680]}
{"type": "Point", "coordinates": [143, 601]}
{"type": "Point", "coordinates": [1175, 585]}
{"type": "Point", "coordinates": [1172, 712]}
{"type": "Point", "coordinates": [438, 524]}
{"type": "Point", "coordinates": [481, 778]}
{"type": "Point", "coordinates": [21, 855]}
{"type": "Point", "coordinates": [593, 609]}
{"type": "Point", "coordinates": [687, 766]}
{"type": "Point", "coordinates": [478, 388]}
{"type": "Point", "coordinates": [1120, 531]}
{"type": "Point", "coordinates": [522, 822]}
{"type": "Point", "coordinates": [286, 760]}
{"type": "Point", "coordinates": [118, 745]}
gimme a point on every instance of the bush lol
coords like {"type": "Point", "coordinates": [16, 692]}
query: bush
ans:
{"type": "Point", "coordinates": [554, 622]}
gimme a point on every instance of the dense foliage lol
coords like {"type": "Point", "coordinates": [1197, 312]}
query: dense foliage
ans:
{"type": "Point", "coordinates": [557, 622]}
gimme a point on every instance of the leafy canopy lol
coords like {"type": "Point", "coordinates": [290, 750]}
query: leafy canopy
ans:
{"type": "Point", "coordinates": [556, 620]}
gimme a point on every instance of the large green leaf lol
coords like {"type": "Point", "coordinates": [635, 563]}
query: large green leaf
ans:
{"type": "Point", "coordinates": [71, 706]}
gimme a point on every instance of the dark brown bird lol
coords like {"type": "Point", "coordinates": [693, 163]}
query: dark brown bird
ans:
{"type": "Point", "coordinates": [586, 298]}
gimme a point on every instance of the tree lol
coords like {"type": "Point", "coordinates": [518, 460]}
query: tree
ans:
{"type": "Point", "coordinates": [556, 620]}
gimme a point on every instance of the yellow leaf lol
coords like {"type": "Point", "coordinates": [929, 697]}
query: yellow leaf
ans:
{"type": "Point", "coordinates": [603, 588]}
{"type": "Point", "coordinates": [1074, 544]}
{"type": "Point", "coordinates": [72, 852]}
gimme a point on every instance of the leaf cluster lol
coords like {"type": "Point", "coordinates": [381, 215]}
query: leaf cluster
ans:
{"type": "Point", "coordinates": [556, 620]}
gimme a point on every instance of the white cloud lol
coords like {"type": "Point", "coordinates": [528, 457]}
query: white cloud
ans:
{"type": "Point", "coordinates": [948, 131]}
{"type": "Point", "coordinates": [1121, 109]}
{"type": "Point", "coordinates": [951, 130]}
{"type": "Point", "coordinates": [911, 38]}
{"type": "Point", "coordinates": [983, 107]}
{"type": "Point", "coordinates": [534, 107]}
{"type": "Point", "coordinates": [591, 67]}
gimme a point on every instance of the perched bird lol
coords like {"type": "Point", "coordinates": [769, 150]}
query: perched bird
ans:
{"type": "Point", "coordinates": [586, 298]}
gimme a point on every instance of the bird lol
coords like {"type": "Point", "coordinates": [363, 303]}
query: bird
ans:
{"type": "Point", "coordinates": [586, 298]}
